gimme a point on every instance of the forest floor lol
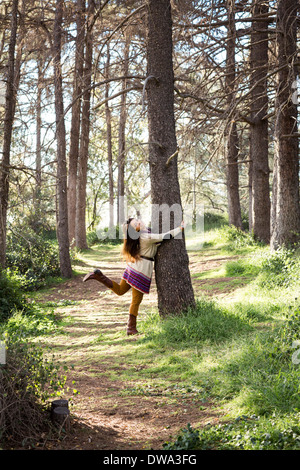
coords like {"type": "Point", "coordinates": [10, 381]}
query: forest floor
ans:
{"type": "Point", "coordinates": [119, 404]}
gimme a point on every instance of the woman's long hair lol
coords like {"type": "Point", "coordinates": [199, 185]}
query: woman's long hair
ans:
{"type": "Point", "coordinates": [131, 246]}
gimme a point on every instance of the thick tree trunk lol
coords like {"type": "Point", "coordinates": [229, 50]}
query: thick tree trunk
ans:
{"type": "Point", "coordinates": [232, 141]}
{"type": "Point", "coordinates": [75, 123]}
{"type": "Point", "coordinates": [175, 292]}
{"type": "Point", "coordinates": [259, 127]}
{"type": "Point", "coordinates": [80, 236]}
{"type": "Point", "coordinates": [10, 101]}
{"type": "Point", "coordinates": [109, 145]}
{"type": "Point", "coordinates": [286, 165]}
{"type": "Point", "coordinates": [62, 216]}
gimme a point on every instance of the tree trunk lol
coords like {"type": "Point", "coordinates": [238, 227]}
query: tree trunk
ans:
{"type": "Point", "coordinates": [10, 100]}
{"type": "Point", "coordinates": [38, 155]}
{"type": "Point", "coordinates": [250, 195]}
{"type": "Point", "coordinates": [232, 141]}
{"type": "Point", "coordinates": [121, 142]}
{"type": "Point", "coordinates": [232, 177]}
{"type": "Point", "coordinates": [274, 191]}
{"type": "Point", "coordinates": [62, 216]}
{"type": "Point", "coordinates": [109, 145]}
{"type": "Point", "coordinates": [81, 240]}
{"type": "Point", "coordinates": [286, 165]}
{"type": "Point", "coordinates": [75, 123]}
{"type": "Point", "coordinates": [174, 287]}
{"type": "Point", "coordinates": [259, 127]}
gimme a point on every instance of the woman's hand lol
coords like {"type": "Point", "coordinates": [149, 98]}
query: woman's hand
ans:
{"type": "Point", "coordinates": [182, 226]}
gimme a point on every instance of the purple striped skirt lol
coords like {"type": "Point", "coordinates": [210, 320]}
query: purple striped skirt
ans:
{"type": "Point", "coordinates": [137, 280]}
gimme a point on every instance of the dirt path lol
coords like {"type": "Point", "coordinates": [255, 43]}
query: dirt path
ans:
{"type": "Point", "coordinates": [108, 414]}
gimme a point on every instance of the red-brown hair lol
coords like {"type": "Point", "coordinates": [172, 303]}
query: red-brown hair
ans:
{"type": "Point", "coordinates": [131, 246]}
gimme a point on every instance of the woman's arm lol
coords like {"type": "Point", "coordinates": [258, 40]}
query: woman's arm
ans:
{"type": "Point", "coordinates": [158, 237]}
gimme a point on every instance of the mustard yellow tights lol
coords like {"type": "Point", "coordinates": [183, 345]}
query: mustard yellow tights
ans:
{"type": "Point", "coordinates": [137, 296]}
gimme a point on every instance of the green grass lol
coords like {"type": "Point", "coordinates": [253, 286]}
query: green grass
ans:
{"type": "Point", "coordinates": [208, 322]}
{"type": "Point", "coordinates": [38, 321]}
{"type": "Point", "coordinates": [105, 252]}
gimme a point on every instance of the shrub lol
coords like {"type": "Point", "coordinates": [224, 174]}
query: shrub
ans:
{"type": "Point", "coordinates": [33, 258]}
{"type": "Point", "coordinates": [27, 382]}
{"type": "Point", "coordinates": [214, 220]}
{"type": "Point", "coordinates": [92, 238]}
{"type": "Point", "coordinates": [33, 323]}
{"type": "Point", "coordinates": [11, 297]}
{"type": "Point", "coordinates": [245, 433]}
{"type": "Point", "coordinates": [279, 268]}
{"type": "Point", "coordinates": [239, 238]}
{"type": "Point", "coordinates": [187, 439]}
{"type": "Point", "coordinates": [108, 235]}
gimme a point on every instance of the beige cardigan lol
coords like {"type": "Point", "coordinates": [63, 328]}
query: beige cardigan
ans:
{"type": "Point", "coordinates": [139, 273]}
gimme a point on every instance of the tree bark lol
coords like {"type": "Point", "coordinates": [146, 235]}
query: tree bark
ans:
{"type": "Point", "coordinates": [174, 287]}
{"type": "Point", "coordinates": [62, 216]}
{"type": "Point", "coordinates": [232, 141]}
{"type": "Point", "coordinates": [75, 123]}
{"type": "Point", "coordinates": [80, 236]}
{"type": "Point", "coordinates": [10, 102]}
{"type": "Point", "coordinates": [250, 195]}
{"type": "Point", "coordinates": [122, 141]}
{"type": "Point", "coordinates": [259, 127]}
{"type": "Point", "coordinates": [38, 155]}
{"type": "Point", "coordinates": [286, 165]}
{"type": "Point", "coordinates": [109, 144]}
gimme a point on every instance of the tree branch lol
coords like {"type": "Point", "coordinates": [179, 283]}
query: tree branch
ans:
{"type": "Point", "coordinates": [172, 156]}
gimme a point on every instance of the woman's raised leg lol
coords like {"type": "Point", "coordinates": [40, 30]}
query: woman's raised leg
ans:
{"type": "Point", "coordinates": [121, 288]}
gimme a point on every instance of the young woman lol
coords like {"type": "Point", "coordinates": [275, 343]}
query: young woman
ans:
{"type": "Point", "coordinates": [139, 249]}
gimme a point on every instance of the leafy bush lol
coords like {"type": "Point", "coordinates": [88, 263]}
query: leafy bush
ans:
{"type": "Point", "coordinates": [213, 220]}
{"type": "Point", "coordinates": [279, 268]}
{"type": "Point", "coordinates": [33, 258]}
{"type": "Point", "coordinates": [92, 238]}
{"type": "Point", "coordinates": [11, 297]}
{"type": "Point", "coordinates": [27, 382]}
{"type": "Point", "coordinates": [107, 236]}
{"type": "Point", "coordinates": [36, 322]}
{"type": "Point", "coordinates": [187, 439]}
{"type": "Point", "coordinates": [239, 238]}
{"type": "Point", "coordinates": [244, 433]}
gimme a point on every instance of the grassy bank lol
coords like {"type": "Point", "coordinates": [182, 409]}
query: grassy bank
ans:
{"type": "Point", "coordinates": [243, 349]}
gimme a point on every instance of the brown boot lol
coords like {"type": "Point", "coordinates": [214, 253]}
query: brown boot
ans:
{"type": "Point", "coordinates": [131, 325]}
{"type": "Point", "coordinates": [99, 276]}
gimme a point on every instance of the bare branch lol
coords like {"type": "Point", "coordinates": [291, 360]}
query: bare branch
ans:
{"type": "Point", "coordinates": [172, 156]}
